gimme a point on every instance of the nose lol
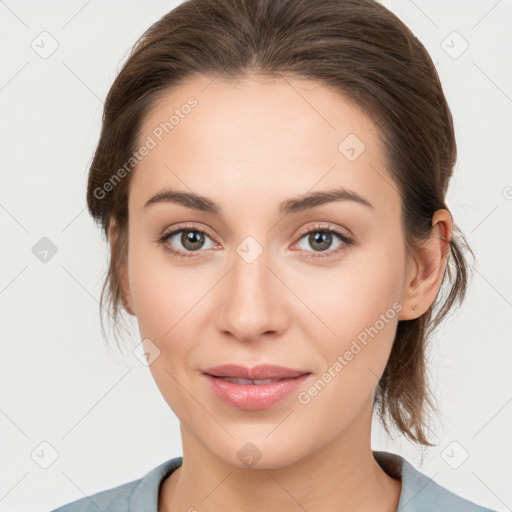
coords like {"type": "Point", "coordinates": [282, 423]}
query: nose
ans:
{"type": "Point", "coordinates": [253, 301]}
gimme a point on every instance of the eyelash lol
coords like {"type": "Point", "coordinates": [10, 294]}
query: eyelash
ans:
{"type": "Point", "coordinates": [347, 241]}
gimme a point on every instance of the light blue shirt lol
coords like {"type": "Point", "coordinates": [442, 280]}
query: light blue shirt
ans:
{"type": "Point", "coordinates": [419, 492]}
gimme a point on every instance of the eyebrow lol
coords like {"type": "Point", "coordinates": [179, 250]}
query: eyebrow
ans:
{"type": "Point", "coordinates": [305, 202]}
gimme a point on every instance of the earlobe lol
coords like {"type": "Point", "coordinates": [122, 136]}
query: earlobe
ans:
{"type": "Point", "coordinates": [427, 270]}
{"type": "Point", "coordinates": [410, 307]}
{"type": "Point", "coordinates": [122, 271]}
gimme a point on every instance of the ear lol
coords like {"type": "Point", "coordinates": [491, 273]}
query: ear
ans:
{"type": "Point", "coordinates": [114, 239]}
{"type": "Point", "coordinates": [425, 271]}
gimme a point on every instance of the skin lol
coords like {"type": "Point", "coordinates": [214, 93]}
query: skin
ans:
{"type": "Point", "coordinates": [248, 145]}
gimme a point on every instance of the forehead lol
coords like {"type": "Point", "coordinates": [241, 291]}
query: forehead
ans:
{"type": "Point", "coordinates": [262, 139]}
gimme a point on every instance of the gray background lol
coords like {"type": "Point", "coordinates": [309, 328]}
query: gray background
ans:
{"type": "Point", "coordinates": [100, 415]}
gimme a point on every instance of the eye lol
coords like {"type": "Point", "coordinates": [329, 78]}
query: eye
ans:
{"type": "Point", "coordinates": [191, 240]}
{"type": "Point", "coordinates": [320, 238]}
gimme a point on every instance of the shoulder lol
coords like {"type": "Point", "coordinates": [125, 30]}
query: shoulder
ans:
{"type": "Point", "coordinates": [117, 498]}
{"type": "Point", "coordinates": [125, 497]}
{"type": "Point", "coordinates": [421, 493]}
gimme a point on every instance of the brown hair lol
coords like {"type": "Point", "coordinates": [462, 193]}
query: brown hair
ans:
{"type": "Point", "coordinates": [357, 47]}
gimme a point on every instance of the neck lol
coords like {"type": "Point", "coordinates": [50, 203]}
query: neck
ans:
{"type": "Point", "coordinates": [342, 475]}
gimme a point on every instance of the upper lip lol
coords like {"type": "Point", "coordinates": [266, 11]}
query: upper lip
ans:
{"type": "Point", "coordinates": [261, 371]}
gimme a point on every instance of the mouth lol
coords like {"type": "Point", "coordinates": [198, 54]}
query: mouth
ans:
{"type": "Point", "coordinates": [257, 374]}
{"type": "Point", "coordinates": [254, 388]}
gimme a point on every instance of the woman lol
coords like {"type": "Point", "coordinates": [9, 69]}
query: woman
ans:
{"type": "Point", "coordinates": [271, 177]}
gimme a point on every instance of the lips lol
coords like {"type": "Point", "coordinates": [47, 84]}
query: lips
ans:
{"type": "Point", "coordinates": [259, 374]}
{"type": "Point", "coordinates": [256, 388]}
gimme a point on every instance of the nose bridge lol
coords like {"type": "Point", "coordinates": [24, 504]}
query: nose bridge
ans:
{"type": "Point", "coordinates": [253, 302]}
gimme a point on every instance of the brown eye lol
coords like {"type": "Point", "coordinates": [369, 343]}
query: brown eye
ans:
{"type": "Point", "coordinates": [321, 239]}
{"type": "Point", "coordinates": [183, 242]}
{"type": "Point", "coordinates": [192, 240]}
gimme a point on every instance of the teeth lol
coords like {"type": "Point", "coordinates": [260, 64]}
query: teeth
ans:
{"type": "Point", "coordinates": [249, 381]}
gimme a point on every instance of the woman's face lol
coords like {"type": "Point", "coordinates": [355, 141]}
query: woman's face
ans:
{"type": "Point", "coordinates": [261, 280]}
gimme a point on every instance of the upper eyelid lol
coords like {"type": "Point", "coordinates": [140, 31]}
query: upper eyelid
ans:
{"type": "Point", "coordinates": [174, 231]}
{"type": "Point", "coordinates": [319, 226]}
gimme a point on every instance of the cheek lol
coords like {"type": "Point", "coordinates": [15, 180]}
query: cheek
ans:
{"type": "Point", "coordinates": [360, 305]}
{"type": "Point", "coordinates": [166, 300]}
{"type": "Point", "coordinates": [359, 302]}
{"type": "Point", "coordinates": [162, 292]}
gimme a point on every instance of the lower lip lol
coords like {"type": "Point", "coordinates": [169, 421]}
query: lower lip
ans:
{"type": "Point", "coordinates": [252, 397]}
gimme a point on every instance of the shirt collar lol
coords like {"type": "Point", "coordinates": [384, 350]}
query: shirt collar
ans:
{"type": "Point", "coordinates": [144, 497]}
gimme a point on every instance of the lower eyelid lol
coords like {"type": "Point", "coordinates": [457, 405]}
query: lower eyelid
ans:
{"type": "Point", "coordinates": [345, 241]}
{"type": "Point", "coordinates": [179, 231]}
